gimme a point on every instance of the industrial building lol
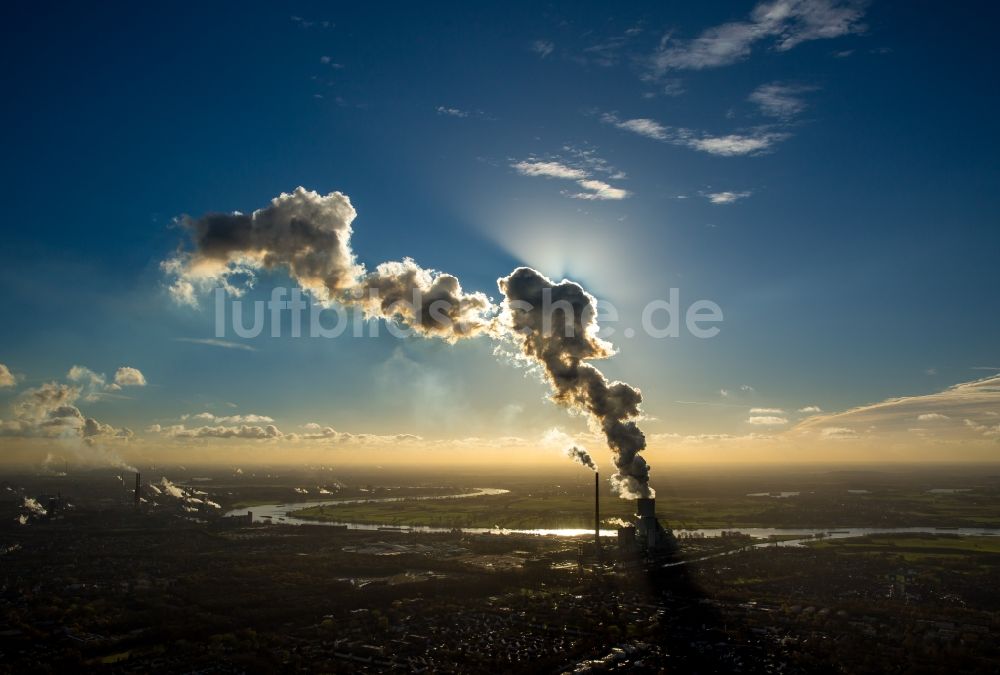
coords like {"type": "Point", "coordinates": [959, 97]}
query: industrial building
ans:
{"type": "Point", "coordinates": [646, 537]}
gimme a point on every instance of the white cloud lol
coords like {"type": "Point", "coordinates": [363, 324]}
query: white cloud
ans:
{"type": "Point", "coordinates": [586, 158]}
{"type": "Point", "coordinates": [307, 23]}
{"type": "Point", "coordinates": [766, 420]}
{"type": "Point", "coordinates": [7, 378]}
{"type": "Point", "coordinates": [95, 385]}
{"type": "Point", "coordinates": [672, 87]}
{"type": "Point", "coordinates": [244, 419]}
{"type": "Point", "coordinates": [213, 342]}
{"type": "Point", "coordinates": [244, 431]}
{"type": "Point", "coordinates": [739, 392]}
{"type": "Point", "coordinates": [127, 376]}
{"type": "Point", "coordinates": [260, 428]}
{"type": "Point", "coordinates": [779, 100]}
{"type": "Point", "coordinates": [230, 419]}
{"type": "Point", "coordinates": [726, 197]}
{"type": "Point", "coordinates": [811, 409]}
{"type": "Point", "coordinates": [733, 145]}
{"type": "Point", "coordinates": [542, 47]}
{"type": "Point", "coordinates": [49, 411]}
{"type": "Point", "coordinates": [452, 112]}
{"type": "Point", "coordinates": [984, 429]}
{"type": "Point", "coordinates": [642, 126]}
{"type": "Point", "coordinates": [975, 401]}
{"type": "Point", "coordinates": [318, 432]}
{"type": "Point", "coordinates": [730, 145]}
{"type": "Point", "coordinates": [84, 375]}
{"type": "Point", "coordinates": [599, 190]}
{"type": "Point", "coordinates": [549, 170]}
{"type": "Point", "coordinates": [766, 411]}
{"type": "Point", "coordinates": [328, 61]}
{"type": "Point", "coordinates": [807, 20]}
{"type": "Point", "coordinates": [786, 23]}
{"type": "Point", "coordinates": [595, 189]}
{"type": "Point", "coordinates": [838, 433]}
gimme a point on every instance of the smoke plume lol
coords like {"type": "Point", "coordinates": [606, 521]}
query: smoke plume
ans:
{"type": "Point", "coordinates": [555, 324]}
{"type": "Point", "coordinates": [32, 506]}
{"type": "Point", "coordinates": [190, 500]}
{"type": "Point", "coordinates": [308, 236]}
{"type": "Point", "coordinates": [580, 455]}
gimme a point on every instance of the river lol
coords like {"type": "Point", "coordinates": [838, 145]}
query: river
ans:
{"type": "Point", "coordinates": [279, 514]}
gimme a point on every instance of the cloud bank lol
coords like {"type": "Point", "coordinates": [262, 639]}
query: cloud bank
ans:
{"type": "Point", "coordinates": [968, 410]}
{"type": "Point", "coordinates": [49, 411]}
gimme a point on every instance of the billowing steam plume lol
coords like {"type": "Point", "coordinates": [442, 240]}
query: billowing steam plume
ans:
{"type": "Point", "coordinates": [580, 455]}
{"type": "Point", "coordinates": [190, 500]}
{"type": "Point", "coordinates": [551, 324]}
{"type": "Point", "coordinates": [33, 507]}
{"type": "Point", "coordinates": [308, 235]}
{"type": "Point", "coordinates": [555, 324]}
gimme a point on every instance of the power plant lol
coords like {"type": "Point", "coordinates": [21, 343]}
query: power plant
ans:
{"type": "Point", "coordinates": [646, 537]}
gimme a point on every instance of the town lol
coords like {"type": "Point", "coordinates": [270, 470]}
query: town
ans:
{"type": "Point", "coordinates": [125, 589]}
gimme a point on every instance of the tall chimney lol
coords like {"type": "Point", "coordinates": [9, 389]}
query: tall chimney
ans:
{"type": "Point", "coordinates": [597, 513]}
{"type": "Point", "coordinates": [138, 485]}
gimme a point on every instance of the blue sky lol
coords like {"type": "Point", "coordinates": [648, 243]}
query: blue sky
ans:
{"type": "Point", "coordinates": [826, 175]}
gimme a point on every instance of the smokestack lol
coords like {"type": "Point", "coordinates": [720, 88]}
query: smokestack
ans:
{"type": "Point", "coordinates": [137, 486]}
{"type": "Point", "coordinates": [597, 512]}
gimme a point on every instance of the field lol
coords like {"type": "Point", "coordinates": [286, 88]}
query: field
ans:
{"type": "Point", "coordinates": [923, 547]}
